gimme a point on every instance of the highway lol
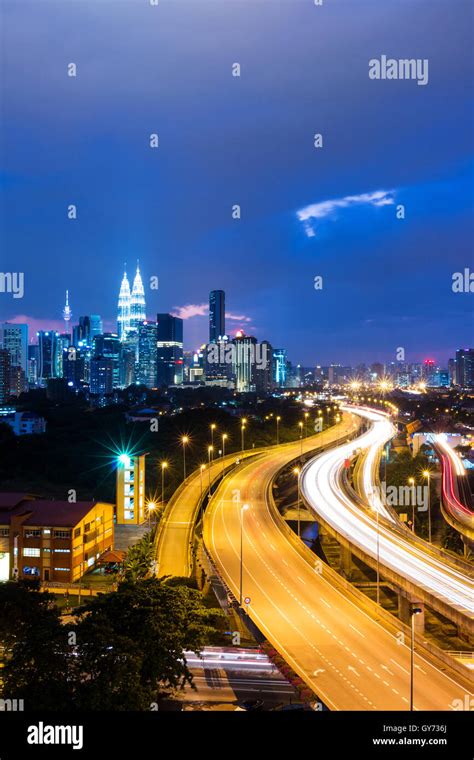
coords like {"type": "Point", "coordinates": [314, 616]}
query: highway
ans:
{"type": "Point", "coordinates": [176, 528]}
{"type": "Point", "coordinates": [454, 486]}
{"type": "Point", "coordinates": [321, 487]}
{"type": "Point", "coordinates": [348, 658]}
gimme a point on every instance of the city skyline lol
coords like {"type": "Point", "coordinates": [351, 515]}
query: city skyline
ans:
{"type": "Point", "coordinates": [331, 213]}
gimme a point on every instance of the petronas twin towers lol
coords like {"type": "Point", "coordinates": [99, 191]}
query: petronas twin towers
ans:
{"type": "Point", "coordinates": [131, 306]}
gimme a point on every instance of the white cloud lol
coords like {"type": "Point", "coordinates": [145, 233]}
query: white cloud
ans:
{"type": "Point", "coordinates": [323, 209]}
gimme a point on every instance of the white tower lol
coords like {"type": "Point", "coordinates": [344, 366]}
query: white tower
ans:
{"type": "Point", "coordinates": [123, 320]}
{"type": "Point", "coordinates": [67, 313]}
{"type": "Point", "coordinates": [137, 302]}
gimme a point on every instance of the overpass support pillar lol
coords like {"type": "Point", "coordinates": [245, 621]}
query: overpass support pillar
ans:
{"type": "Point", "coordinates": [345, 562]}
{"type": "Point", "coordinates": [405, 604]}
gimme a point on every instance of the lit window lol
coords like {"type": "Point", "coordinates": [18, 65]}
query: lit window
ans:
{"type": "Point", "coordinates": [29, 552]}
{"type": "Point", "coordinates": [63, 551]}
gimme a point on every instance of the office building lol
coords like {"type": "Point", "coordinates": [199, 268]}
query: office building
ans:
{"type": "Point", "coordinates": [244, 361]}
{"type": "Point", "coordinates": [137, 303]}
{"type": "Point", "coordinates": [465, 367]}
{"type": "Point", "coordinates": [14, 337]}
{"type": "Point", "coordinates": [279, 367]}
{"type": "Point", "coordinates": [102, 374]}
{"type": "Point", "coordinates": [108, 345]}
{"type": "Point", "coordinates": [96, 326]}
{"type": "Point", "coordinates": [147, 354]}
{"type": "Point", "coordinates": [123, 317]}
{"type": "Point", "coordinates": [4, 375]}
{"type": "Point", "coordinates": [169, 350]}
{"type": "Point", "coordinates": [216, 315]}
{"type": "Point", "coordinates": [48, 355]}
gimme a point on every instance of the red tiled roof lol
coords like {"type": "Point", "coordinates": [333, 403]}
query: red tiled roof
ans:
{"type": "Point", "coordinates": [11, 500]}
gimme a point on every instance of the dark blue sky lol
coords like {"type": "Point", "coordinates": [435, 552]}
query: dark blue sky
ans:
{"type": "Point", "coordinates": [247, 140]}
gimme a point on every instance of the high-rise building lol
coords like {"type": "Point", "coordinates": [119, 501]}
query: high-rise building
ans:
{"type": "Point", "coordinates": [465, 367]}
{"type": "Point", "coordinates": [147, 354]}
{"type": "Point", "coordinates": [48, 351]}
{"type": "Point", "coordinates": [169, 350]}
{"type": "Point", "coordinates": [96, 325]}
{"type": "Point", "coordinates": [33, 363]}
{"type": "Point", "coordinates": [108, 346]}
{"type": "Point", "coordinates": [4, 375]}
{"type": "Point", "coordinates": [123, 319]}
{"type": "Point", "coordinates": [244, 360]}
{"type": "Point", "coordinates": [137, 302]}
{"type": "Point", "coordinates": [102, 371]}
{"type": "Point", "coordinates": [216, 315]}
{"type": "Point", "coordinates": [14, 337]}
{"type": "Point", "coordinates": [73, 366]}
{"type": "Point", "coordinates": [81, 333]}
{"type": "Point", "coordinates": [279, 367]}
{"type": "Point", "coordinates": [263, 368]}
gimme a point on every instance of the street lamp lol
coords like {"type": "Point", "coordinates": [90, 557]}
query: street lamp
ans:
{"type": "Point", "coordinates": [209, 453]}
{"type": "Point", "coordinates": [278, 429]}
{"type": "Point", "coordinates": [242, 433]}
{"type": "Point", "coordinates": [427, 474]}
{"type": "Point", "coordinates": [306, 415]}
{"type": "Point", "coordinates": [413, 611]}
{"type": "Point", "coordinates": [164, 465]}
{"type": "Point", "coordinates": [243, 509]}
{"type": "Point", "coordinates": [184, 441]}
{"type": "Point", "coordinates": [201, 469]}
{"type": "Point", "coordinates": [412, 483]}
{"type": "Point", "coordinates": [151, 506]}
{"type": "Point", "coordinates": [224, 436]}
{"type": "Point", "coordinates": [300, 424]}
{"type": "Point", "coordinates": [213, 427]}
{"type": "Point", "coordinates": [296, 471]}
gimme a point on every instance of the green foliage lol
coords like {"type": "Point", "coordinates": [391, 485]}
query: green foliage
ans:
{"type": "Point", "coordinates": [139, 558]}
{"type": "Point", "coordinates": [126, 648]}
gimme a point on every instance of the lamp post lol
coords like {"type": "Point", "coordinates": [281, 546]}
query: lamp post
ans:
{"type": "Point", "coordinates": [243, 509]}
{"type": "Point", "coordinates": [300, 424]}
{"type": "Point", "coordinates": [378, 558]}
{"type": "Point", "coordinates": [306, 415]}
{"type": "Point", "coordinates": [151, 508]}
{"type": "Point", "coordinates": [201, 469]}
{"type": "Point", "coordinates": [164, 465]}
{"type": "Point", "coordinates": [413, 611]}
{"type": "Point", "coordinates": [242, 433]}
{"type": "Point", "coordinates": [209, 453]}
{"type": "Point", "coordinates": [213, 427]}
{"type": "Point", "coordinates": [427, 476]}
{"type": "Point", "coordinates": [224, 436]}
{"type": "Point", "coordinates": [296, 471]}
{"type": "Point", "coordinates": [184, 441]}
{"type": "Point", "coordinates": [278, 429]}
{"type": "Point", "coordinates": [412, 483]}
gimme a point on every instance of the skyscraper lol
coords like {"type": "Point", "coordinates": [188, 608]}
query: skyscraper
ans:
{"type": "Point", "coordinates": [4, 375]}
{"type": "Point", "coordinates": [96, 325]}
{"type": "Point", "coordinates": [465, 367]}
{"type": "Point", "coordinates": [102, 369]}
{"type": "Point", "coordinates": [279, 364]}
{"type": "Point", "coordinates": [14, 337]}
{"type": "Point", "coordinates": [244, 361]}
{"type": "Point", "coordinates": [147, 354]}
{"type": "Point", "coordinates": [48, 351]}
{"type": "Point", "coordinates": [108, 346]}
{"type": "Point", "coordinates": [169, 350]}
{"type": "Point", "coordinates": [137, 302]}
{"type": "Point", "coordinates": [123, 319]}
{"type": "Point", "coordinates": [216, 315]}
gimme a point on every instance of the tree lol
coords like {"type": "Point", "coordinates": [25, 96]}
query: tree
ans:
{"type": "Point", "coordinates": [139, 558]}
{"type": "Point", "coordinates": [130, 644]}
{"type": "Point", "coordinates": [36, 650]}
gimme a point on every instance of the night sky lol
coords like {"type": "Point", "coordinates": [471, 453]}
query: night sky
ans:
{"type": "Point", "coordinates": [248, 141]}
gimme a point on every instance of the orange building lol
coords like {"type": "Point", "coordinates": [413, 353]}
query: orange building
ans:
{"type": "Point", "coordinates": [52, 540]}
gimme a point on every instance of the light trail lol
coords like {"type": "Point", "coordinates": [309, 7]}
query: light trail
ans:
{"type": "Point", "coordinates": [320, 483]}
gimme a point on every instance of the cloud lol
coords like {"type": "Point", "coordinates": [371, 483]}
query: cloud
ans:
{"type": "Point", "coordinates": [191, 310]}
{"type": "Point", "coordinates": [323, 209]}
{"type": "Point", "coordinates": [202, 310]}
{"type": "Point", "coordinates": [237, 317]}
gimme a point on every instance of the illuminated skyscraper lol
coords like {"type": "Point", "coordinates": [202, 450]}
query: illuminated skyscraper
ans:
{"type": "Point", "coordinates": [137, 302]}
{"type": "Point", "coordinates": [124, 303]}
{"type": "Point", "coordinates": [216, 315]}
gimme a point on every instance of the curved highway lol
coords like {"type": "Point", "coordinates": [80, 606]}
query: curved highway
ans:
{"type": "Point", "coordinates": [320, 485]}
